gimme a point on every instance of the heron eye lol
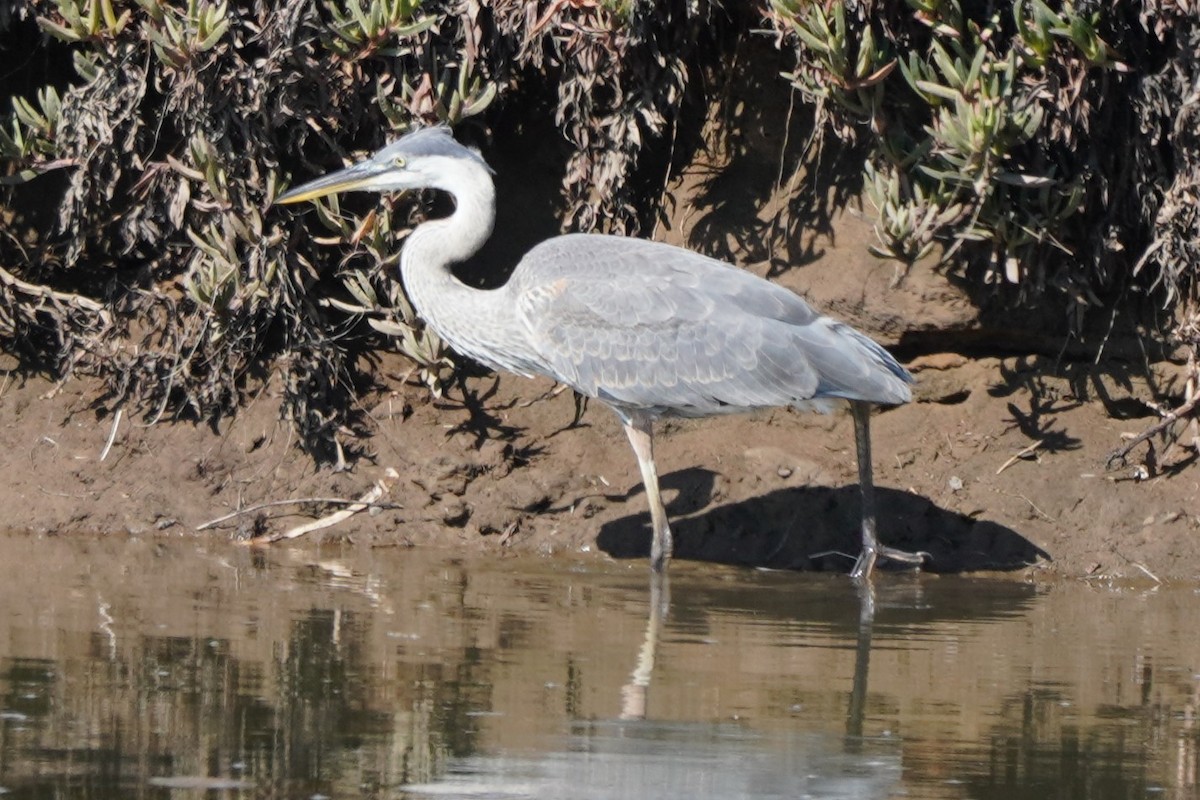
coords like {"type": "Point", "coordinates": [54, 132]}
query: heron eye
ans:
{"type": "Point", "coordinates": [399, 162]}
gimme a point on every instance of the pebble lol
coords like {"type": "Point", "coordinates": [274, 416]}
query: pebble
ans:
{"type": "Point", "coordinates": [456, 514]}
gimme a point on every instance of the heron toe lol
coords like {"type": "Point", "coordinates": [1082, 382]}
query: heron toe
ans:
{"type": "Point", "coordinates": [865, 565]}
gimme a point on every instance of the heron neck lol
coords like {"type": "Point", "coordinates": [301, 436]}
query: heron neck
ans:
{"type": "Point", "coordinates": [454, 310]}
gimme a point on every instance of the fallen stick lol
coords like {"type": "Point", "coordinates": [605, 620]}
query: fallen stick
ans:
{"type": "Point", "coordinates": [1020, 455]}
{"type": "Point", "coordinates": [75, 300]}
{"type": "Point", "coordinates": [381, 487]}
{"type": "Point", "coordinates": [295, 501]}
{"type": "Point", "coordinates": [1167, 421]}
{"type": "Point", "coordinates": [112, 435]}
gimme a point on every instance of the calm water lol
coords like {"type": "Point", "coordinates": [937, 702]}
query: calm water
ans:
{"type": "Point", "coordinates": [177, 668]}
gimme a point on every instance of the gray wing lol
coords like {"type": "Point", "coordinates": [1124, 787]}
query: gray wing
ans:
{"type": "Point", "coordinates": [647, 325]}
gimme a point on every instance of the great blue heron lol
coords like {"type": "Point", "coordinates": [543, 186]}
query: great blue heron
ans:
{"type": "Point", "coordinates": [649, 329]}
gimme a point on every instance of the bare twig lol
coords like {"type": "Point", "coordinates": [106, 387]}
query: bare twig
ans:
{"type": "Point", "coordinates": [329, 501]}
{"type": "Point", "coordinates": [1144, 569]}
{"type": "Point", "coordinates": [509, 530]}
{"type": "Point", "coordinates": [381, 487]}
{"type": "Point", "coordinates": [1169, 419]}
{"type": "Point", "coordinates": [553, 391]}
{"type": "Point", "coordinates": [1032, 504]}
{"type": "Point", "coordinates": [1020, 455]}
{"type": "Point", "coordinates": [112, 434]}
{"type": "Point", "coordinates": [78, 301]}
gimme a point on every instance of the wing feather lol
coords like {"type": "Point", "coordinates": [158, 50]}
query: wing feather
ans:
{"type": "Point", "coordinates": [647, 325]}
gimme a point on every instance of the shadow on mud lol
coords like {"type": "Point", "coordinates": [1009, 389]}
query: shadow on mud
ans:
{"type": "Point", "coordinates": [814, 528]}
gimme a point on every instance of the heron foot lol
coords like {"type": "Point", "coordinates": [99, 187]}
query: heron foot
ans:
{"type": "Point", "coordinates": [865, 565]}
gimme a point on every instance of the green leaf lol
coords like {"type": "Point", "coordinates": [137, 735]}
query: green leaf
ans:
{"type": "Point", "coordinates": [420, 26]}
{"type": "Point", "coordinates": [812, 40]}
{"type": "Point", "coordinates": [976, 68]}
{"type": "Point", "coordinates": [58, 31]}
{"type": "Point", "coordinates": [360, 17]}
{"type": "Point", "coordinates": [213, 38]}
{"type": "Point", "coordinates": [937, 90]}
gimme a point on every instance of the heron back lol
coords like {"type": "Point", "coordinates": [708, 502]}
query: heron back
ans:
{"type": "Point", "coordinates": [649, 326]}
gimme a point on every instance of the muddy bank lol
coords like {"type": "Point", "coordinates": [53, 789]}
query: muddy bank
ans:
{"type": "Point", "coordinates": [504, 474]}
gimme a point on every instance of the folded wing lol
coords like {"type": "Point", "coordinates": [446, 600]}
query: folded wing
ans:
{"type": "Point", "coordinates": [650, 326]}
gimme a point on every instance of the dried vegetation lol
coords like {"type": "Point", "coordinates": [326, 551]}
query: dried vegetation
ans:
{"type": "Point", "coordinates": [1045, 151]}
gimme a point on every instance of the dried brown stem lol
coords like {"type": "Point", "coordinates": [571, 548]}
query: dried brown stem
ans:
{"type": "Point", "coordinates": [66, 298]}
{"type": "Point", "coordinates": [1166, 422]}
{"type": "Point", "coordinates": [370, 498]}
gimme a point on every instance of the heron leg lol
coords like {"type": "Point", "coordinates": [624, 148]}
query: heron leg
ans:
{"type": "Point", "coordinates": [872, 551]}
{"type": "Point", "coordinates": [640, 430]}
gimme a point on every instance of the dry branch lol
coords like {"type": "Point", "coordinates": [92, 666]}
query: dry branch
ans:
{"type": "Point", "coordinates": [1166, 422]}
{"type": "Point", "coordinates": [330, 501]}
{"type": "Point", "coordinates": [1026, 451]}
{"type": "Point", "coordinates": [65, 298]}
{"type": "Point", "coordinates": [381, 487]}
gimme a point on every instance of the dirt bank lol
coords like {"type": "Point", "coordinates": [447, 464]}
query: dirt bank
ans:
{"type": "Point", "coordinates": [959, 472]}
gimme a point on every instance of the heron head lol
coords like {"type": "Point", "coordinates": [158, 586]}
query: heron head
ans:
{"type": "Point", "coordinates": [429, 158]}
